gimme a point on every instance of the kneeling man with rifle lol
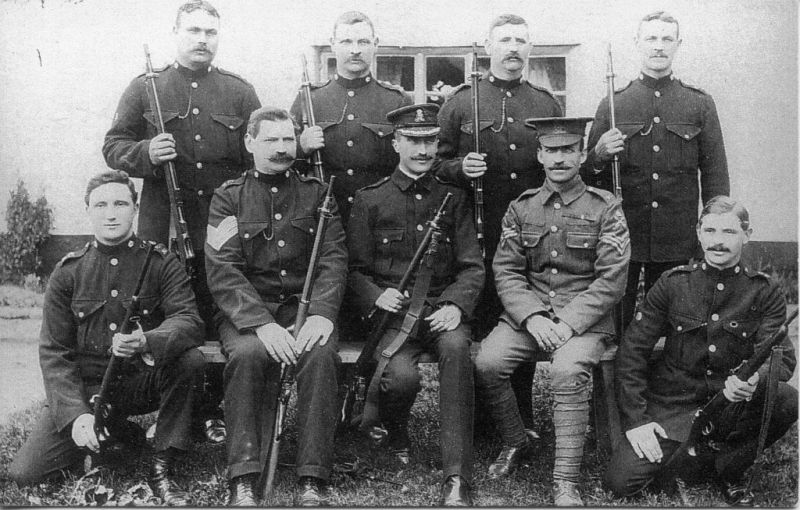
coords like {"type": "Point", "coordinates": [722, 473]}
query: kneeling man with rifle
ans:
{"type": "Point", "coordinates": [705, 405]}
{"type": "Point", "coordinates": [440, 265]}
{"type": "Point", "coordinates": [109, 309]}
{"type": "Point", "coordinates": [261, 241]}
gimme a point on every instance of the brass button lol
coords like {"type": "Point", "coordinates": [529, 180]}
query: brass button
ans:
{"type": "Point", "coordinates": [714, 317]}
{"type": "Point", "coordinates": [656, 148]}
{"type": "Point", "coordinates": [508, 93]}
{"type": "Point", "coordinates": [679, 328]}
{"type": "Point", "coordinates": [420, 228]}
{"type": "Point", "coordinates": [281, 243]}
{"type": "Point", "coordinates": [283, 272]}
{"type": "Point", "coordinates": [81, 314]}
{"type": "Point", "coordinates": [552, 293]}
{"type": "Point", "coordinates": [720, 286]}
{"type": "Point", "coordinates": [709, 372]}
{"type": "Point", "coordinates": [350, 116]}
{"type": "Point", "coordinates": [200, 192]}
{"type": "Point", "coordinates": [513, 175]}
{"type": "Point", "coordinates": [351, 93]}
{"type": "Point", "coordinates": [385, 241]}
{"type": "Point", "coordinates": [553, 228]}
{"type": "Point", "coordinates": [112, 326]}
{"type": "Point", "coordinates": [554, 253]}
{"type": "Point", "coordinates": [712, 348]}
{"type": "Point", "coordinates": [513, 147]}
{"type": "Point", "coordinates": [350, 171]}
{"type": "Point", "coordinates": [657, 119]}
{"type": "Point", "coordinates": [657, 93]}
{"type": "Point", "coordinates": [349, 143]}
{"type": "Point", "coordinates": [655, 176]}
{"type": "Point", "coordinates": [114, 292]}
{"type": "Point", "coordinates": [554, 271]}
{"type": "Point", "coordinates": [246, 235]}
{"type": "Point", "coordinates": [199, 165]}
{"type": "Point", "coordinates": [113, 262]}
{"type": "Point", "coordinates": [654, 204]}
{"type": "Point", "coordinates": [418, 196]}
{"type": "Point", "coordinates": [196, 111]}
{"type": "Point", "coordinates": [350, 199]}
{"type": "Point", "coordinates": [557, 205]}
{"type": "Point", "coordinates": [274, 189]}
{"type": "Point", "coordinates": [511, 120]}
{"type": "Point", "coordinates": [194, 84]}
{"type": "Point", "coordinates": [198, 137]}
{"type": "Point", "coordinates": [278, 216]}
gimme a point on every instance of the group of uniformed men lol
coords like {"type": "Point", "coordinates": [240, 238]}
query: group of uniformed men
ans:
{"type": "Point", "coordinates": [559, 257]}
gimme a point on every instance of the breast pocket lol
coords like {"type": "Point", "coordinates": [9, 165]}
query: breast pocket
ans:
{"type": "Point", "coordinates": [467, 130]}
{"type": "Point", "coordinates": [683, 143]}
{"type": "Point", "coordinates": [171, 122]}
{"type": "Point", "coordinates": [680, 346]}
{"type": "Point", "coordinates": [150, 314]}
{"type": "Point", "coordinates": [388, 244]}
{"type": "Point", "coordinates": [741, 336]}
{"type": "Point", "coordinates": [634, 144]}
{"type": "Point", "coordinates": [443, 266]}
{"type": "Point", "coordinates": [228, 130]}
{"type": "Point", "coordinates": [254, 236]}
{"type": "Point", "coordinates": [91, 331]}
{"type": "Point", "coordinates": [531, 240]}
{"type": "Point", "coordinates": [301, 242]}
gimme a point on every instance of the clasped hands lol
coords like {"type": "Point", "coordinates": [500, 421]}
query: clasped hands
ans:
{"type": "Point", "coordinates": [549, 334]}
{"type": "Point", "coordinates": [285, 348]}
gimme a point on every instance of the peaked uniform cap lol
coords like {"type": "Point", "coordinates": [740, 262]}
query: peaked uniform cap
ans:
{"type": "Point", "coordinates": [416, 120]}
{"type": "Point", "coordinates": [559, 131]}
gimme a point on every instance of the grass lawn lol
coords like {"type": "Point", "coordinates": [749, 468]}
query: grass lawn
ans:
{"type": "Point", "coordinates": [380, 481]}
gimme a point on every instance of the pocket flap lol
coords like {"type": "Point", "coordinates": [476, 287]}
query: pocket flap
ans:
{"type": "Point", "coordinates": [742, 329]}
{"type": "Point", "coordinates": [83, 309]}
{"type": "Point", "coordinates": [380, 130]}
{"type": "Point", "coordinates": [150, 116]}
{"type": "Point", "coordinates": [466, 127]}
{"type": "Point", "coordinates": [529, 239]}
{"type": "Point", "coordinates": [389, 235]}
{"type": "Point", "coordinates": [306, 224]}
{"type": "Point", "coordinates": [325, 125]}
{"type": "Point", "coordinates": [146, 304]}
{"type": "Point", "coordinates": [581, 240]}
{"type": "Point", "coordinates": [250, 229]}
{"type": "Point", "coordinates": [684, 324]}
{"type": "Point", "coordinates": [630, 129]}
{"type": "Point", "coordinates": [232, 122]}
{"type": "Point", "coordinates": [685, 131]}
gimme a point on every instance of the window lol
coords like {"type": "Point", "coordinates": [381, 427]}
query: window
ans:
{"type": "Point", "coordinates": [551, 73]}
{"type": "Point", "coordinates": [441, 71]}
{"type": "Point", "coordinates": [397, 71]}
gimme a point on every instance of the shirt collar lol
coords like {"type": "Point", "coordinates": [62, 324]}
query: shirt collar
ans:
{"type": "Point", "coordinates": [356, 83]}
{"type": "Point", "coordinates": [192, 74]}
{"type": "Point", "coordinates": [116, 249]}
{"type": "Point", "coordinates": [404, 182]}
{"type": "Point", "coordinates": [568, 195]}
{"type": "Point", "coordinates": [504, 84]}
{"type": "Point", "coordinates": [656, 83]}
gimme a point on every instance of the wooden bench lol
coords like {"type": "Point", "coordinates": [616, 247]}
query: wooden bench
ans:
{"type": "Point", "coordinates": [604, 404]}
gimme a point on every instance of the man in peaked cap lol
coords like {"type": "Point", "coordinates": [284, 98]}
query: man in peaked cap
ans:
{"type": "Point", "coordinates": [205, 110]}
{"type": "Point", "coordinates": [386, 226]}
{"type": "Point", "coordinates": [560, 268]}
{"type": "Point", "coordinates": [666, 133]}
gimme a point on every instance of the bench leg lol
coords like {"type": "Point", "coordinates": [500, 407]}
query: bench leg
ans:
{"type": "Point", "coordinates": [604, 407]}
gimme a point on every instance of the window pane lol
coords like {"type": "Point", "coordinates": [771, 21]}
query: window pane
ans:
{"type": "Point", "coordinates": [447, 70]}
{"type": "Point", "coordinates": [331, 67]}
{"type": "Point", "coordinates": [549, 72]}
{"type": "Point", "coordinates": [483, 65]}
{"type": "Point", "coordinates": [397, 70]}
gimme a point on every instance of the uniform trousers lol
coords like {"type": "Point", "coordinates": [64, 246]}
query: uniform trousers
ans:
{"type": "Point", "coordinates": [401, 381]}
{"type": "Point", "coordinates": [627, 473]}
{"type": "Point", "coordinates": [652, 271]}
{"type": "Point", "coordinates": [506, 348]}
{"type": "Point", "coordinates": [173, 390]}
{"type": "Point", "coordinates": [251, 380]}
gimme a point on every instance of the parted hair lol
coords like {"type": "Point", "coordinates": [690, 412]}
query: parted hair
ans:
{"type": "Point", "coordinates": [195, 5]}
{"type": "Point", "coordinates": [722, 204]}
{"type": "Point", "coordinates": [351, 18]}
{"type": "Point", "coordinates": [270, 113]}
{"type": "Point", "coordinates": [660, 16]}
{"type": "Point", "coordinates": [507, 19]}
{"type": "Point", "coordinates": [117, 176]}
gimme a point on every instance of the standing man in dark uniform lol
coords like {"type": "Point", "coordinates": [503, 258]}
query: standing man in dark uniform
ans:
{"type": "Point", "coordinates": [261, 231]}
{"type": "Point", "coordinates": [714, 313]}
{"type": "Point", "coordinates": [84, 305]}
{"type": "Point", "coordinates": [205, 112]}
{"type": "Point", "coordinates": [350, 110]}
{"type": "Point", "coordinates": [560, 269]}
{"type": "Point", "coordinates": [386, 226]}
{"type": "Point", "coordinates": [666, 132]}
{"type": "Point", "coordinates": [508, 163]}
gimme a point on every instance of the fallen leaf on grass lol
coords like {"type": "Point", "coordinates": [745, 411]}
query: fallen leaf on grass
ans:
{"type": "Point", "coordinates": [35, 500]}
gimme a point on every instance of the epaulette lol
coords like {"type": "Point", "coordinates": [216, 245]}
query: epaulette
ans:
{"type": "Point", "coordinates": [74, 254]}
{"type": "Point", "coordinates": [233, 75]}
{"type": "Point", "coordinates": [532, 192]}
{"type": "Point", "coordinates": [159, 248]}
{"type": "Point", "coordinates": [542, 89]}
{"type": "Point", "coordinates": [377, 183]}
{"type": "Point", "coordinates": [391, 86]}
{"type": "Point", "coordinates": [624, 87]}
{"type": "Point", "coordinates": [604, 194]}
{"type": "Point", "coordinates": [692, 87]}
{"type": "Point", "coordinates": [459, 88]}
{"type": "Point", "coordinates": [444, 181]}
{"type": "Point", "coordinates": [320, 84]}
{"type": "Point", "coordinates": [239, 180]}
{"type": "Point", "coordinates": [752, 273]}
{"type": "Point", "coordinates": [309, 178]}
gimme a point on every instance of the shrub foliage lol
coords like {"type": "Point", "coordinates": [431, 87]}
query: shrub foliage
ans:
{"type": "Point", "coordinates": [29, 225]}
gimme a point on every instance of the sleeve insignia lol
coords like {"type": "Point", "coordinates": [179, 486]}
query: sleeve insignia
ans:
{"type": "Point", "coordinates": [620, 244]}
{"type": "Point", "coordinates": [219, 235]}
{"type": "Point", "coordinates": [508, 233]}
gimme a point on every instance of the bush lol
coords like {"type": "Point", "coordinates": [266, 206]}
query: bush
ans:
{"type": "Point", "coordinates": [28, 228]}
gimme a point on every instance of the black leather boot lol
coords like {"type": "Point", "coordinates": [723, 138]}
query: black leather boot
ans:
{"type": "Point", "coordinates": [161, 479]}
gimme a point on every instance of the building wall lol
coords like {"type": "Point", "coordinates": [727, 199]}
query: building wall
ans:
{"type": "Point", "coordinates": [63, 66]}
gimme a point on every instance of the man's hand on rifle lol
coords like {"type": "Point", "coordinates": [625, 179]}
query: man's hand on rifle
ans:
{"type": "Point", "coordinates": [737, 390]}
{"type": "Point", "coordinates": [125, 346]}
{"type": "Point", "coordinates": [611, 142]}
{"type": "Point", "coordinates": [391, 300]}
{"type": "Point", "coordinates": [644, 441]}
{"type": "Point", "coordinates": [312, 139]}
{"type": "Point", "coordinates": [83, 433]}
{"type": "Point", "coordinates": [162, 149]}
{"type": "Point", "coordinates": [316, 330]}
{"type": "Point", "coordinates": [278, 342]}
{"type": "Point", "coordinates": [473, 165]}
{"type": "Point", "coordinates": [446, 318]}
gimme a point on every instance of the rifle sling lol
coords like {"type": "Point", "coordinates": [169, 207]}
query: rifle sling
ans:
{"type": "Point", "coordinates": [418, 296]}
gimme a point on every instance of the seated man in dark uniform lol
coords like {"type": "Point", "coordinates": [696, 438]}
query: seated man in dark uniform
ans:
{"type": "Point", "coordinates": [386, 225]}
{"type": "Point", "coordinates": [84, 306]}
{"type": "Point", "coordinates": [714, 313]}
{"type": "Point", "coordinates": [261, 230]}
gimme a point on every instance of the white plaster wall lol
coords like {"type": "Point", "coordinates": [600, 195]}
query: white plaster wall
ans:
{"type": "Point", "coordinates": [54, 112]}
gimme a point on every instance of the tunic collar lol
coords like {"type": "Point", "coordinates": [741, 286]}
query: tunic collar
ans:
{"type": "Point", "coordinates": [271, 179]}
{"type": "Point", "coordinates": [356, 83]}
{"type": "Point", "coordinates": [721, 273]}
{"type": "Point", "coordinates": [656, 83]}
{"type": "Point", "coordinates": [190, 74]}
{"type": "Point", "coordinates": [405, 182]}
{"type": "Point", "coordinates": [568, 195]}
{"type": "Point", "coordinates": [504, 84]}
{"type": "Point", "coordinates": [117, 249]}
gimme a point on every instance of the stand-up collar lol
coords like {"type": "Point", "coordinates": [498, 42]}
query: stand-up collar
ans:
{"type": "Point", "coordinates": [356, 83]}
{"type": "Point", "coordinates": [656, 83]}
{"type": "Point", "coordinates": [190, 74]}
{"type": "Point", "coordinates": [504, 84]}
{"type": "Point", "coordinates": [116, 249]}
{"type": "Point", "coordinates": [405, 182]}
{"type": "Point", "coordinates": [720, 273]}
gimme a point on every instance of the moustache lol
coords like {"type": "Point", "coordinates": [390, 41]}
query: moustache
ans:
{"type": "Point", "coordinates": [512, 56]}
{"type": "Point", "coordinates": [718, 247]}
{"type": "Point", "coordinates": [422, 158]}
{"type": "Point", "coordinates": [281, 158]}
{"type": "Point", "coordinates": [559, 167]}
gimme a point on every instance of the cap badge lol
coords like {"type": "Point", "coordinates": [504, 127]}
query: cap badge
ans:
{"type": "Point", "coordinates": [420, 116]}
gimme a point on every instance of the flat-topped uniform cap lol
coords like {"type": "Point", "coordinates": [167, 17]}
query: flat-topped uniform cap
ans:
{"type": "Point", "coordinates": [416, 120]}
{"type": "Point", "coordinates": [559, 131]}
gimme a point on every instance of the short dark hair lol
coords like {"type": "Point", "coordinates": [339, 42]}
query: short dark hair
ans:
{"type": "Point", "coordinates": [351, 18]}
{"type": "Point", "coordinates": [722, 204]}
{"type": "Point", "coordinates": [507, 19]}
{"type": "Point", "coordinates": [270, 113]}
{"type": "Point", "coordinates": [195, 5]}
{"type": "Point", "coordinates": [109, 176]}
{"type": "Point", "coordinates": [660, 16]}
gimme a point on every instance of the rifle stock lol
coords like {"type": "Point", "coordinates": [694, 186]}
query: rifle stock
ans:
{"type": "Point", "coordinates": [287, 371]}
{"type": "Point", "coordinates": [99, 401]}
{"type": "Point", "coordinates": [185, 250]}
{"type": "Point", "coordinates": [366, 364]}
